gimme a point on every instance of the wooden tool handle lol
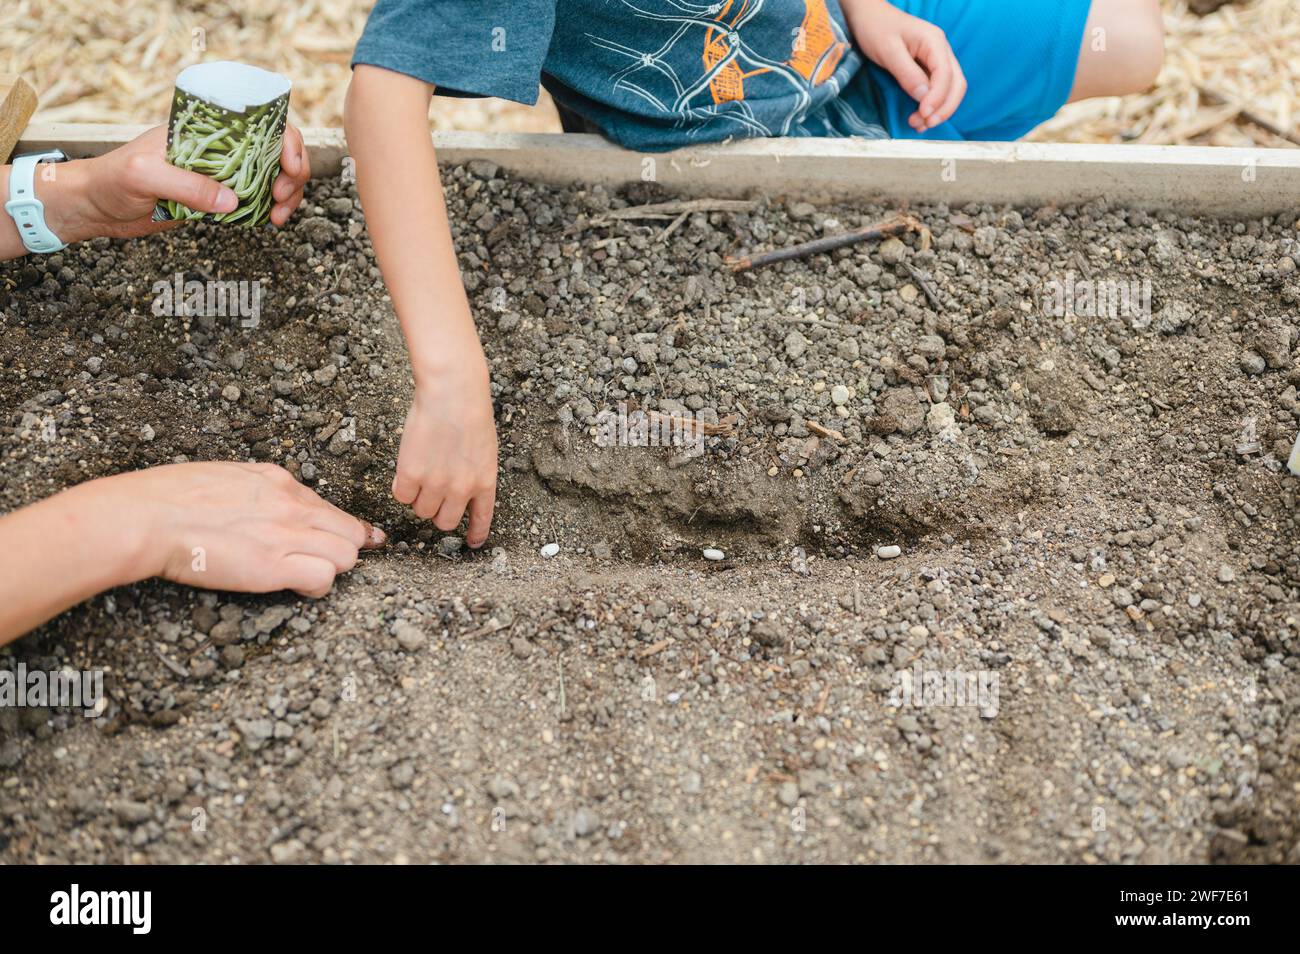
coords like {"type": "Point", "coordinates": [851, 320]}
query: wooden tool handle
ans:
{"type": "Point", "coordinates": [17, 103]}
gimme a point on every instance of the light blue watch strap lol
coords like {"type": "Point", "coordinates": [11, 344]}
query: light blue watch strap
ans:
{"type": "Point", "coordinates": [26, 210]}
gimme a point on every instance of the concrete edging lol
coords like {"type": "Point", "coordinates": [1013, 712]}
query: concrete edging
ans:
{"type": "Point", "coordinates": [1187, 179]}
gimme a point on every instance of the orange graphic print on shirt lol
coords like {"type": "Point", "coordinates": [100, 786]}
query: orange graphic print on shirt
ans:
{"type": "Point", "coordinates": [815, 51]}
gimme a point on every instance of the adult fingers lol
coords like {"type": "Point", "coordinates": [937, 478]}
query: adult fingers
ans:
{"type": "Point", "coordinates": [376, 538]}
{"type": "Point", "coordinates": [330, 519]}
{"type": "Point", "coordinates": [155, 138]}
{"type": "Point", "coordinates": [143, 227]}
{"type": "Point", "coordinates": [307, 575]}
{"type": "Point", "coordinates": [284, 186]}
{"type": "Point", "coordinates": [281, 211]}
{"type": "Point", "coordinates": [372, 537]}
{"type": "Point", "coordinates": [480, 518]}
{"type": "Point", "coordinates": [337, 520]}
{"type": "Point", "coordinates": [293, 155]}
{"type": "Point", "coordinates": [295, 171]}
{"type": "Point", "coordinates": [155, 177]}
{"type": "Point", "coordinates": [309, 541]}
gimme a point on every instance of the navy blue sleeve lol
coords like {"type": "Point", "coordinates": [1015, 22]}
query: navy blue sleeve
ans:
{"type": "Point", "coordinates": [465, 47]}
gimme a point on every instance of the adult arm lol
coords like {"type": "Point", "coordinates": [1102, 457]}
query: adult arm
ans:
{"type": "Point", "coordinates": [115, 194]}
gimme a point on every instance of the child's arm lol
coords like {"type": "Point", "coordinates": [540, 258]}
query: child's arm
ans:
{"type": "Point", "coordinates": [448, 457]}
{"type": "Point", "coordinates": [915, 53]}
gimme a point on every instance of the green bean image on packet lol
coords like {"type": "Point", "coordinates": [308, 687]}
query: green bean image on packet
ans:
{"type": "Point", "coordinates": [227, 121]}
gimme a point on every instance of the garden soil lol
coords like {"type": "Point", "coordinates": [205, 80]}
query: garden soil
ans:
{"type": "Point", "coordinates": [1097, 539]}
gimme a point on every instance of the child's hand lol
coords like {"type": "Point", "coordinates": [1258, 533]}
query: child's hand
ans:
{"type": "Point", "coordinates": [448, 457]}
{"type": "Point", "coordinates": [915, 53]}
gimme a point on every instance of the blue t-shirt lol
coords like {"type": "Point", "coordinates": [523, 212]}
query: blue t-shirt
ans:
{"type": "Point", "coordinates": [650, 74]}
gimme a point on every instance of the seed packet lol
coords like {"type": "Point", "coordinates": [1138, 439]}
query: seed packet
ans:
{"type": "Point", "coordinates": [227, 121]}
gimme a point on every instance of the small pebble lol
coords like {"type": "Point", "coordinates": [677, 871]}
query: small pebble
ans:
{"type": "Point", "coordinates": [584, 822]}
{"type": "Point", "coordinates": [409, 636]}
{"type": "Point", "coordinates": [711, 554]}
{"type": "Point", "coordinates": [889, 552]}
{"type": "Point", "coordinates": [892, 251]}
{"type": "Point", "coordinates": [549, 550]}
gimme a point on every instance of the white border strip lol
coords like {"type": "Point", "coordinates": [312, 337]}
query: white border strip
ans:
{"type": "Point", "coordinates": [1187, 179]}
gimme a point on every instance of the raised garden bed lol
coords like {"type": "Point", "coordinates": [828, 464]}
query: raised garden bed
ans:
{"type": "Point", "coordinates": [1091, 507]}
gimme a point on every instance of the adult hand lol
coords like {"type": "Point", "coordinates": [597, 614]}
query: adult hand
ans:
{"type": "Point", "coordinates": [115, 194]}
{"type": "Point", "coordinates": [226, 526]}
{"type": "Point", "coordinates": [246, 527]}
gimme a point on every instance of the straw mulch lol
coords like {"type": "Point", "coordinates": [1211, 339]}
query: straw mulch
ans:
{"type": "Point", "coordinates": [107, 61]}
{"type": "Point", "coordinates": [115, 61]}
{"type": "Point", "coordinates": [1241, 61]}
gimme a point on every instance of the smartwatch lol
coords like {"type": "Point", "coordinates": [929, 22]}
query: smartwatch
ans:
{"type": "Point", "coordinates": [26, 210]}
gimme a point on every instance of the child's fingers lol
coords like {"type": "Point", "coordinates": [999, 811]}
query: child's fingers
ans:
{"type": "Point", "coordinates": [480, 519]}
{"type": "Point", "coordinates": [904, 68]}
{"type": "Point", "coordinates": [448, 516]}
{"type": "Point", "coordinates": [427, 503]}
{"type": "Point", "coordinates": [936, 56]}
{"type": "Point", "coordinates": [955, 95]}
{"type": "Point", "coordinates": [405, 488]}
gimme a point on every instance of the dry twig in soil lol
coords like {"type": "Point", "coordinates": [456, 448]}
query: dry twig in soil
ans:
{"type": "Point", "coordinates": [823, 431]}
{"type": "Point", "coordinates": [896, 225]}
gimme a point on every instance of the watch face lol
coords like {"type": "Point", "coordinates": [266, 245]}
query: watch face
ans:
{"type": "Point", "coordinates": [49, 155]}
